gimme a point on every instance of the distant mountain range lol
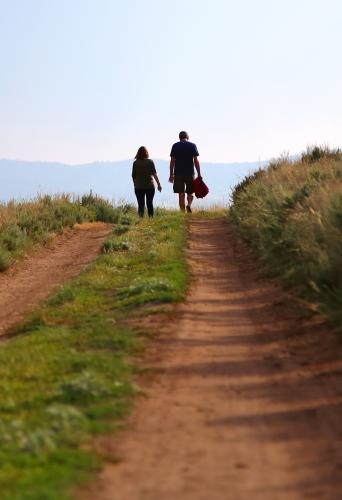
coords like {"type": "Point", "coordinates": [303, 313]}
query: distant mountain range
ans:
{"type": "Point", "coordinates": [112, 180]}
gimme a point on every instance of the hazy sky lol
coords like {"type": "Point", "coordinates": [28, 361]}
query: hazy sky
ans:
{"type": "Point", "coordinates": [85, 80]}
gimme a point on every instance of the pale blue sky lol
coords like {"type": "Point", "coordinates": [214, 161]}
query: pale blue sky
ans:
{"type": "Point", "coordinates": [85, 80]}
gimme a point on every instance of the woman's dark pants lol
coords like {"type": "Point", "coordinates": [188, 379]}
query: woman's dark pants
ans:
{"type": "Point", "coordinates": [141, 194]}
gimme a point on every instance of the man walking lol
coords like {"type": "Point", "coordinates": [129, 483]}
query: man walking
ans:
{"type": "Point", "coordinates": [183, 160]}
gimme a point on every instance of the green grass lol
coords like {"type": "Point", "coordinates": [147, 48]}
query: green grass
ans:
{"type": "Point", "coordinates": [69, 375]}
{"type": "Point", "coordinates": [291, 215]}
{"type": "Point", "coordinates": [23, 224]}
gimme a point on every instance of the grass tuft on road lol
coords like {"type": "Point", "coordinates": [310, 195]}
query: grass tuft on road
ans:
{"type": "Point", "coordinates": [69, 375]}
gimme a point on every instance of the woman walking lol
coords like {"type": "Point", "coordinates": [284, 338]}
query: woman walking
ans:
{"type": "Point", "coordinates": [143, 174]}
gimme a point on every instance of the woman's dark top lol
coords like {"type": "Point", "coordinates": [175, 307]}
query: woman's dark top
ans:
{"type": "Point", "coordinates": [142, 174]}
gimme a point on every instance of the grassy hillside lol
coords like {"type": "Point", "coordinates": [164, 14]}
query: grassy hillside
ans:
{"type": "Point", "coordinates": [69, 374]}
{"type": "Point", "coordinates": [22, 224]}
{"type": "Point", "coordinates": [291, 215]}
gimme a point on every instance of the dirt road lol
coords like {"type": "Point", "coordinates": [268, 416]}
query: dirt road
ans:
{"type": "Point", "coordinates": [245, 400]}
{"type": "Point", "coordinates": [31, 280]}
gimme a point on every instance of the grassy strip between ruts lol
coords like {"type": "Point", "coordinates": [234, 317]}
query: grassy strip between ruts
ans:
{"type": "Point", "coordinates": [67, 376]}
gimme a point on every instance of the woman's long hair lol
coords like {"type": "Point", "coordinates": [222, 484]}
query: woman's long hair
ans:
{"type": "Point", "coordinates": [142, 153]}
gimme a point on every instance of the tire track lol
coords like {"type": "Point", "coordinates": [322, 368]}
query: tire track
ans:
{"type": "Point", "coordinates": [40, 273]}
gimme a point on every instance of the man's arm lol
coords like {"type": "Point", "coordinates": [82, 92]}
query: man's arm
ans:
{"type": "Point", "coordinates": [172, 168]}
{"type": "Point", "coordinates": [197, 166]}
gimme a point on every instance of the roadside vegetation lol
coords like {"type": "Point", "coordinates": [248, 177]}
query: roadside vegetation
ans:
{"type": "Point", "coordinates": [67, 373]}
{"type": "Point", "coordinates": [24, 224]}
{"type": "Point", "coordinates": [213, 212]}
{"type": "Point", "coordinates": [290, 213]}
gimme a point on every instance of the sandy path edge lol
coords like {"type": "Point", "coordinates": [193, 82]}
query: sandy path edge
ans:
{"type": "Point", "coordinates": [41, 272]}
{"type": "Point", "coordinates": [245, 401]}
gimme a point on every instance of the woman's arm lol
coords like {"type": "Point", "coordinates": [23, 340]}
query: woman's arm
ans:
{"type": "Point", "coordinates": [134, 174]}
{"type": "Point", "coordinates": [155, 176]}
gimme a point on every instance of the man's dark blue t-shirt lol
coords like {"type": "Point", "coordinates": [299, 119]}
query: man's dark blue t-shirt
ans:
{"type": "Point", "coordinates": [184, 152]}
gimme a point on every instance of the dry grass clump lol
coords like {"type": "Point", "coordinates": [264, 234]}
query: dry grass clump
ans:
{"type": "Point", "coordinates": [291, 215]}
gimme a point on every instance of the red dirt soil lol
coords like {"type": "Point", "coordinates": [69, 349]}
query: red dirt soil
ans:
{"type": "Point", "coordinates": [40, 273]}
{"type": "Point", "coordinates": [244, 393]}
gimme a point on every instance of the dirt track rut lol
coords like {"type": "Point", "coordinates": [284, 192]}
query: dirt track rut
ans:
{"type": "Point", "coordinates": [244, 403]}
{"type": "Point", "coordinates": [31, 280]}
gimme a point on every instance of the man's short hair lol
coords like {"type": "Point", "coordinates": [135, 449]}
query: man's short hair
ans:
{"type": "Point", "coordinates": [183, 135]}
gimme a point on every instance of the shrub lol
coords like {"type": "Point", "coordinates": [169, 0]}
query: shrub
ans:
{"type": "Point", "coordinates": [13, 238]}
{"type": "Point", "coordinates": [65, 294]}
{"type": "Point", "coordinates": [115, 246]}
{"type": "Point", "coordinates": [125, 221]}
{"type": "Point", "coordinates": [104, 211]}
{"type": "Point", "coordinates": [119, 230]}
{"type": "Point", "coordinates": [151, 286]}
{"type": "Point", "coordinates": [241, 186]}
{"type": "Point", "coordinates": [82, 388]}
{"type": "Point", "coordinates": [314, 154]}
{"type": "Point", "coordinates": [5, 260]}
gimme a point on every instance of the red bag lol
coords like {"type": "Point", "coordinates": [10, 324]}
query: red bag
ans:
{"type": "Point", "coordinates": [201, 189]}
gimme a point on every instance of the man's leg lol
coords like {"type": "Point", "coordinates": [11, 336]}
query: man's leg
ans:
{"type": "Point", "coordinates": [179, 188]}
{"type": "Point", "coordinates": [190, 198]}
{"type": "Point", "coordinates": [190, 188]}
{"type": "Point", "coordinates": [182, 201]}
